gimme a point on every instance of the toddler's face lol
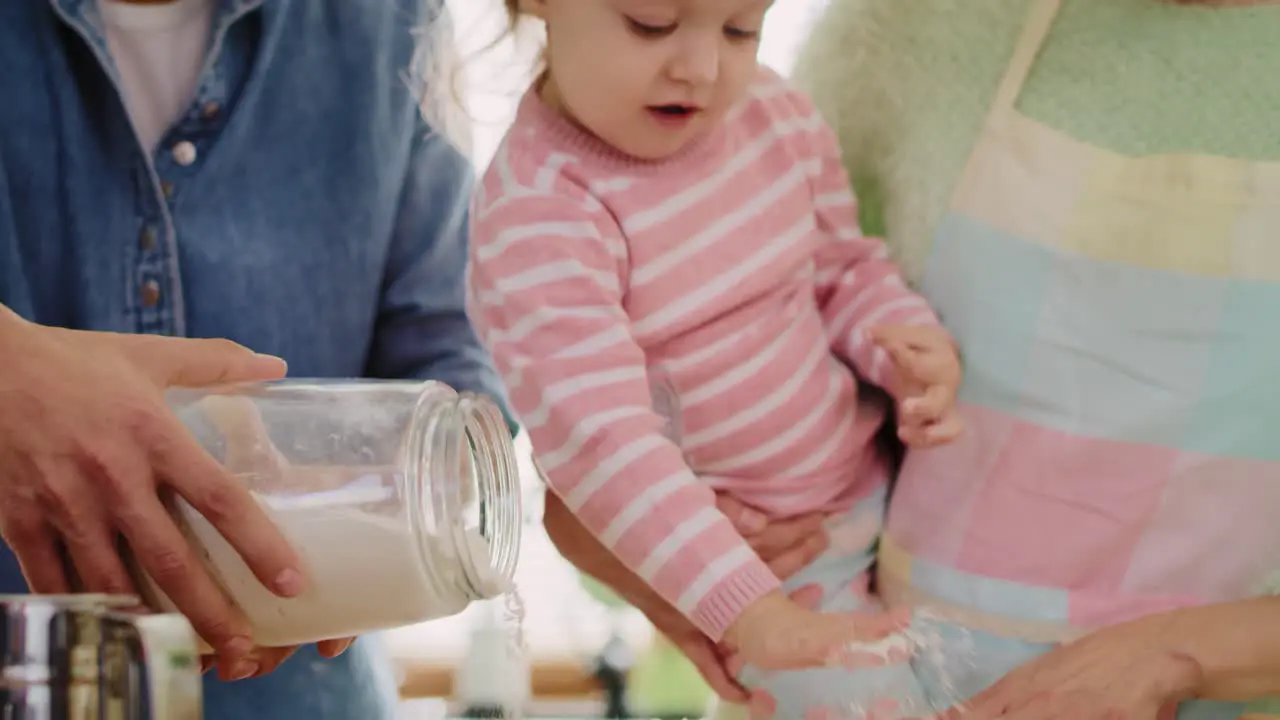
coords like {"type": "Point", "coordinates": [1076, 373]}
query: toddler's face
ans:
{"type": "Point", "coordinates": [649, 76]}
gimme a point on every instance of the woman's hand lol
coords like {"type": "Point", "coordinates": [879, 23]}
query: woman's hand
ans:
{"type": "Point", "coordinates": [268, 659]}
{"type": "Point", "coordinates": [787, 546]}
{"type": "Point", "coordinates": [1140, 670]}
{"type": "Point", "coordinates": [1126, 672]}
{"type": "Point", "coordinates": [87, 445]}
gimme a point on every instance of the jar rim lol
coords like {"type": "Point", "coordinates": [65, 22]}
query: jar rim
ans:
{"type": "Point", "coordinates": [462, 438]}
{"type": "Point", "coordinates": [498, 479]}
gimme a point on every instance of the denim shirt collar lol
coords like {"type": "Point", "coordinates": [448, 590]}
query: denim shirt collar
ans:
{"type": "Point", "coordinates": [84, 17]}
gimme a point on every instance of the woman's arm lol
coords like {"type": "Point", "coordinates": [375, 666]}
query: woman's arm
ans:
{"type": "Point", "coordinates": [580, 547]}
{"type": "Point", "coordinates": [1236, 645]}
{"type": "Point", "coordinates": [786, 545]}
{"type": "Point", "coordinates": [1228, 651]}
{"type": "Point", "coordinates": [588, 554]}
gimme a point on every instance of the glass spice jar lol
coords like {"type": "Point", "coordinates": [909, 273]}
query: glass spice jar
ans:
{"type": "Point", "coordinates": [402, 499]}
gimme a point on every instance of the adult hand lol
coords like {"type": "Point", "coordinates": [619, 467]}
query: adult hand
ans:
{"type": "Point", "coordinates": [267, 660]}
{"type": "Point", "coordinates": [581, 548]}
{"type": "Point", "coordinates": [786, 545]}
{"type": "Point", "coordinates": [713, 662]}
{"type": "Point", "coordinates": [716, 665]}
{"type": "Point", "coordinates": [87, 447]}
{"type": "Point", "coordinates": [1125, 672]}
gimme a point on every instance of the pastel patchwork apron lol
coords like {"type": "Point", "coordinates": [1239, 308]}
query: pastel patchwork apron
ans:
{"type": "Point", "coordinates": [1122, 393]}
{"type": "Point", "coordinates": [1117, 318]}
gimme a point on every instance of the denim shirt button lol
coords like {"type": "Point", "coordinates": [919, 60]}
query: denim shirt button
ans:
{"type": "Point", "coordinates": [210, 110]}
{"type": "Point", "coordinates": [184, 153]}
{"type": "Point", "coordinates": [150, 293]}
{"type": "Point", "coordinates": [166, 187]}
{"type": "Point", "coordinates": [147, 239]}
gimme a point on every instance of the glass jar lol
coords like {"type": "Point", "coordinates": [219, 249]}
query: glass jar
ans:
{"type": "Point", "coordinates": [402, 499]}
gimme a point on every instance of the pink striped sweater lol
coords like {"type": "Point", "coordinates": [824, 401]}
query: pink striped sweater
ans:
{"type": "Point", "coordinates": [670, 329]}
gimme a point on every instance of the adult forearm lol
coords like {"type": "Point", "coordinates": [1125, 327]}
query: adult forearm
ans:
{"type": "Point", "coordinates": [581, 548]}
{"type": "Point", "coordinates": [1237, 645]}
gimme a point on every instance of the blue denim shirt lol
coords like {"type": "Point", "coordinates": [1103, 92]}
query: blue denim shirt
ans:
{"type": "Point", "coordinates": [321, 221]}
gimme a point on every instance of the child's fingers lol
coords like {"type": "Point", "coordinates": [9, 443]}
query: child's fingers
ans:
{"type": "Point", "coordinates": [889, 649]}
{"type": "Point", "coordinates": [900, 351]}
{"type": "Point", "coordinates": [844, 636]}
{"type": "Point", "coordinates": [922, 364]}
{"type": "Point", "coordinates": [861, 660]}
{"type": "Point", "coordinates": [874, 626]}
{"type": "Point", "coordinates": [948, 429]}
{"type": "Point", "coordinates": [906, 361]}
{"type": "Point", "coordinates": [937, 367]}
{"type": "Point", "coordinates": [916, 432]}
{"type": "Point", "coordinates": [929, 407]}
{"type": "Point", "coordinates": [906, 335]}
{"type": "Point", "coordinates": [921, 338]}
{"type": "Point", "coordinates": [923, 435]}
{"type": "Point", "coordinates": [914, 435]}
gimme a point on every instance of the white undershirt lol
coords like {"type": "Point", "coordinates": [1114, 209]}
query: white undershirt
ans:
{"type": "Point", "coordinates": [158, 49]}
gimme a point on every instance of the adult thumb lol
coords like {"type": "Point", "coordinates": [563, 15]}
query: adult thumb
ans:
{"type": "Point", "coordinates": [191, 362]}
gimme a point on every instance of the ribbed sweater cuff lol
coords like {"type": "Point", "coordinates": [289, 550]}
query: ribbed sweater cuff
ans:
{"type": "Point", "coordinates": [726, 601]}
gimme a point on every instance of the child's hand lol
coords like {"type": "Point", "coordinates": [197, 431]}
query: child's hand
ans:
{"type": "Point", "coordinates": [778, 633]}
{"type": "Point", "coordinates": [928, 377]}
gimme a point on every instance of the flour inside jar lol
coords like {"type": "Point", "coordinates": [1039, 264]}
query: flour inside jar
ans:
{"type": "Point", "coordinates": [365, 571]}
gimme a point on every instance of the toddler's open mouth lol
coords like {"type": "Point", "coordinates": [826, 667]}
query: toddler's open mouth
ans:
{"type": "Point", "coordinates": [673, 114]}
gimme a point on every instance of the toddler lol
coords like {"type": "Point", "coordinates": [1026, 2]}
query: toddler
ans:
{"type": "Point", "coordinates": [667, 267]}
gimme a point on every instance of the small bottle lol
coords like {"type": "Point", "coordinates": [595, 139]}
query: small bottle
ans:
{"type": "Point", "coordinates": [492, 681]}
{"type": "Point", "coordinates": [402, 499]}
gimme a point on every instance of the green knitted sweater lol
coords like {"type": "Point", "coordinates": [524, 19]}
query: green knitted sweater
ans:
{"type": "Point", "coordinates": [907, 84]}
